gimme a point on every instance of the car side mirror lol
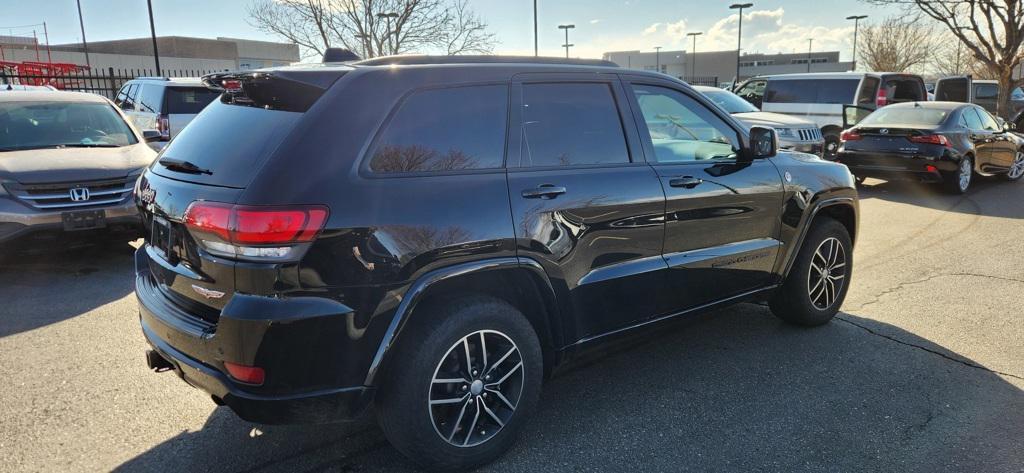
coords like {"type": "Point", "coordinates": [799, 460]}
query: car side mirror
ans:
{"type": "Point", "coordinates": [764, 142]}
{"type": "Point", "coordinates": [151, 136]}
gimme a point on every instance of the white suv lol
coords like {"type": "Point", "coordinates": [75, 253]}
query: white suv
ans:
{"type": "Point", "coordinates": [820, 97]}
{"type": "Point", "coordinates": [163, 104]}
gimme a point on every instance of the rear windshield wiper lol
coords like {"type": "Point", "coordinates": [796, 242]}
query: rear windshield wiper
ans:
{"type": "Point", "coordinates": [181, 165]}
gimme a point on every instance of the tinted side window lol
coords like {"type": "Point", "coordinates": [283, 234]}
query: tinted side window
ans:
{"type": "Point", "coordinates": [868, 93]}
{"type": "Point", "coordinates": [837, 91]}
{"type": "Point", "coordinates": [986, 91]}
{"type": "Point", "coordinates": [681, 128]}
{"type": "Point", "coordinates": [571, 123]}
{"type": "Point", "coordinates": [150, 98]}
{"type": "Point", "coordinates": [989, 123]}
{"type": "Point", "coordinates": [133, 92]}
{"type": "Point", "coordinates": [973, 120]}
{"type": "Point", "coordinates": [122, 95]}
{"type": "Point", "coordinates": [445, 130]}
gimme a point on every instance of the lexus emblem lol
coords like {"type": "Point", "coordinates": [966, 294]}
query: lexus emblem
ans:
{"type": "Point", "coordinates": [884, 131]}
{"type": "Point", "coordinates": [79, 194]}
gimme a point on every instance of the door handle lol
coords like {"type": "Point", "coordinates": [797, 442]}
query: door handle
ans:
{"type": "Point", "coordinates": [686, 182]}
{"type": "Point", "coordinates": [544, 191]}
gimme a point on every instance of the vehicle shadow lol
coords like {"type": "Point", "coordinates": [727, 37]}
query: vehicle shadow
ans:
{"type": "Point", "coordinates": [1000, 198]}
{"type": "Point", "coordinates": [46, 282]}
{"type": "Point", "coordinates": [737, 390]}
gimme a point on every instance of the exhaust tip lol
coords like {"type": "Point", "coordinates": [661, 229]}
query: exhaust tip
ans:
{"type": "Point", "coordinates": [156, 362]}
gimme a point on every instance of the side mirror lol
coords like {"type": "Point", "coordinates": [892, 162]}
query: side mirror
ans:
{"type": "Point", "coordinates": [151, 136]}
{"type": "Point", "coordinates": [764, 142]}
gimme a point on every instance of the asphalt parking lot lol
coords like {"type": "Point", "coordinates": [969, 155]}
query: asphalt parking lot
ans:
{"type": "Point", "coordinates": [922, 371]}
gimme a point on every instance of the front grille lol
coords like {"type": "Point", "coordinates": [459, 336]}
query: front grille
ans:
{"type": "Point", "coordinates": [809, 134]}
{"type": "Point", "coordinates": [73, 195]}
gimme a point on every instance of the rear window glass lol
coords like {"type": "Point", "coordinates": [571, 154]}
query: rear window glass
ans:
{"type": "Point", "coordinates": [570, 124]}
{"type": "Point", "coordinates": [903, 90]}
{"type": "Point", "coordinates": [230, 141]}
{"type": "Point", "coordinates": [828, 91]}
{"type": "Point", "coordinates": [445, 130]}
{"type": "Point", "coordinates": [920, 117]}
{"type": "Point", "coordinates": [189, 100]}
{"type": "Point", "coordinates": [868, 94]}
{"type": "Point", "coordinates": [986, 91]}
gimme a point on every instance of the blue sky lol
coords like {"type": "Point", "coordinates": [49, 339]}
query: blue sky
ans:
{"type": "Point", "coordinates": [601, 25]}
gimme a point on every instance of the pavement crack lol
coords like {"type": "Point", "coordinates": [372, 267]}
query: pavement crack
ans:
{"type": "Point", "coordinates": [878, 297]}
{"type": "Point", "coordinates": [929, 350]}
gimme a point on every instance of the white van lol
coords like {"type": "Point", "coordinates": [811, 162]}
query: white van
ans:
{"type": "Point", "coordinates": [820, 97]}
{"type": "Point", "coordinates": [163, 104]}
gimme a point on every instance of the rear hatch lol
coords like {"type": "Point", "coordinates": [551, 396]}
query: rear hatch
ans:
{"type": "Point", "coordinates": [187, 194]}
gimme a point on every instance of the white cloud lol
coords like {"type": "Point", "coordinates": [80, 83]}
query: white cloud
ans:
{"type": "Point", "coordinates": [595, 21]}
{"type": "Point", "coordinates": [651, 29]}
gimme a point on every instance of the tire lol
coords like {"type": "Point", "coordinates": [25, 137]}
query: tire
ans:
{"type": "Point", "coordinates": [1017, 168]}
{"type": "Point", "coordinates": [802, 299]}
{"type": "Point", "coordinates": [461, 435]}
{"type": "Point", "coordinates": [832, 143]}
{"type": "Point", "coordinates": [859, 180]}
{"type": "Point", "coordinates": [959, 181]}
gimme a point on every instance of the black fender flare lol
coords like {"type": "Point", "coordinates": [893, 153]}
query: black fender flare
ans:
{"type": "Point", "coordinates": [421, 285]}
{"type": "Point", "coordinates": [806, 226]}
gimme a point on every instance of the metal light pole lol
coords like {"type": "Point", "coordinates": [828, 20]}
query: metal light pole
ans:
{"type": "Point", "coordinates": [693, 54]}
{"type": "Point", "coordinates": [566, 45]}
{"type": "Point", "coordinates": [856, 23]}
{"type": "Point", "coordinates": [739, 37]}
{"type": "Point", "coordinates": [657, 58]}
{"type": "Point", "coordinates": [387, 18]}
{"type": "Point", "coordinates": [810, 44]}
{"type": "Point", "coordinates": [81, 24]}
{"type": "Point", "coordinates": [152, 32]}
{"type": "Point", "coordinates": [535, 49]}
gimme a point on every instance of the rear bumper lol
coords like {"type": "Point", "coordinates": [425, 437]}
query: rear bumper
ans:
{"type": "Point", "coordinates": [896, 167]}
{"type": "Point", "coordinates": [298, 341]}
{"type": "Point", "coordinates": [17, 220]}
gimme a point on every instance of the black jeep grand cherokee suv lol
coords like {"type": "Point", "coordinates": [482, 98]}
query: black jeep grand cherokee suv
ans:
{"type": "Point", "coordinates": [434, 235]}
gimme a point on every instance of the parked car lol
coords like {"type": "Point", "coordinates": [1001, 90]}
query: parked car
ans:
{"type": "Point", "coordinates": [981, 92]}
{"type": "Point", "coordinates": [163, 104]}
{"type": "Point", "coordinates": [820, 97]}
{"type": "Point", "coordinates": [947, 142]}
{"type": "Point", "coordinates": [68, 162]}
{"type": "Point", "coordinates": [433, 235]}
{"type": "Point", "coordinates": [795, 134]}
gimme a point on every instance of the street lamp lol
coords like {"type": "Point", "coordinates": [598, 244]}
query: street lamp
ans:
{"type": "Point", "coordinates": [152, 33]}
{"type": "Point", "coordinates": [535, 50]}
{"type": "Point", "coordinates": [739, 37]}
{"type": "Point", "coordinates": [566, 45]}
{"type": "Point", "coordinates": [693, 54]}
{"type": "Point", "coordinates": [387, 16]}
{"type": "Point", "coordinates": [856, 23]}
{"type": "Point", "coordinates": [657, 58]}
{"type": "Point", "coordinates": [810, 44]}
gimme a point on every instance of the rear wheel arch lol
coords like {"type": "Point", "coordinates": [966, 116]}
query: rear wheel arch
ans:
{"type": "Point", "coordinates": [519, 285]}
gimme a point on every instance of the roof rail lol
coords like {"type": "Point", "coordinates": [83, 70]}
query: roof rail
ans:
{"type": "Point", "coordinates": [152, 78]}
{"type": "Point", "coordinates": [479, 59]}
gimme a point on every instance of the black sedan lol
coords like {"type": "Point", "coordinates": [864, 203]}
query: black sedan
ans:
{"type": "Point", "coordinates": [947, 142]}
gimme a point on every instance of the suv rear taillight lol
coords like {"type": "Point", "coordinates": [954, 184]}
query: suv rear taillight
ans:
{"type": "Point", "coordinates": [931, 140]}
{"type": "Point", "coordinates": [254, 233]}
{"type": "Point", "coordinates": [883, 97]}
{"type": "Point", "coordinates": [163, 124]}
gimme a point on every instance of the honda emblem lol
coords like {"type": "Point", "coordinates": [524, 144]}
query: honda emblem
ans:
{"type": "Point", "coordinates": [79, 194]}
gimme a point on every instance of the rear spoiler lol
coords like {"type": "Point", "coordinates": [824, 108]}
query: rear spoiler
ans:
{"type": "Point", "coordinates": [288, 90]}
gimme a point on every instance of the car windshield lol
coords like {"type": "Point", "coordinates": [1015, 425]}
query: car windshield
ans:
{"type": "Point", "coordinates": [912, 116]}
{"type": "Point", "coordinates": [33, 125]}
{"type": "Point", "coordinates": [730, 102]}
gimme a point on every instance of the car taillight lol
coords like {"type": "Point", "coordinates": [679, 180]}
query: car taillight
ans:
{"type": "Point", "coordinates": [245, 374]}
{"type": "Point", "coordinates": [253, 232]}
{"type": "Point", "coordinates": [931, 140]}
{"type": "Point", "coordinates": [163, 124]}
{"type": "Point", "coordinates": [850, 135]}
{"type": "Point", "coordinates": [883, 98]}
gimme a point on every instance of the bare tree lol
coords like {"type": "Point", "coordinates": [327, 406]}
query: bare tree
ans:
{"type": "Point", "coordinates": [374, 28]}
{"type": "Point", "coordinates": [896, 44]}
{"type": "Point", "coordinates": [992, 30]}
{"type": "Point", "coordinates": [951, 58]}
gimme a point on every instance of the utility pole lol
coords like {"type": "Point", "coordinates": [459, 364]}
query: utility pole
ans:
{"type": "Point", "coordinates": [152, 32]}
{"type": "Point", "coordinates": [739, 38]}
{"type": "Point", "coordinates": [46, 35]}
{"type": "Point", "coordinates": [566, 45]}
{"type": "Point", "coordinates": [657, 58]}
{"type": "Point", "coordinates": [856, 23]}
{"type": "Point", "coordinates": [387, 18]}
{"type": "Point", "coordinates": [81, 24]}
{"type": "Point", "coordinates": [535, 47]}
{"type": "Point", "coordinates": [693, 54]}
{"type": "Point", "coordinates": [810, 43]}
